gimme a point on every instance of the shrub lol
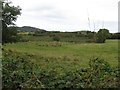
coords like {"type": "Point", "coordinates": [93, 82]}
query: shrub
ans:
{"type": "Point", "coordinates": [56, 38]}
{"type": "Point", "coordinates": [102, 35]}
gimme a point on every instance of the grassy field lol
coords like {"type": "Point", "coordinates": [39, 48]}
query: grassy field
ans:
{"type": "Point", "coordinates": [81, 53]}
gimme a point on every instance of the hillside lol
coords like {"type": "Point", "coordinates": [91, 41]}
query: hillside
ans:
{"type": "Point", "coordinates": [29, 29]}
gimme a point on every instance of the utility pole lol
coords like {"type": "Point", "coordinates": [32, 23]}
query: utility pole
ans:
{"type": "Point", "coordinates": [103, 23]}
{"type": "Point", "coordinates": [94, 32]}
{"type": "Point", "coordinates": [88, 20]}
{"type": "Point", "coordinates": [94, 25]}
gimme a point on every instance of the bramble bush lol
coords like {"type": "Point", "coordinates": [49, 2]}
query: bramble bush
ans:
{"type": "Point", "coordinates": [20, 71]}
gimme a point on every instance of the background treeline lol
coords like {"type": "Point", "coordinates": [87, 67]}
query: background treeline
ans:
{"type": "Point", "coordinates": [114, 36]}
{"type": "Point", "coordinates": [84, 33]}
{"type": "Point", "coordinates": [32, 34]}
{"type": "Point", "coordinates": [27, 33]}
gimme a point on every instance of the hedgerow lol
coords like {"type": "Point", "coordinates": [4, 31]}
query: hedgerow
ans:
{"type": "Point", "coordinates": [20, 71]}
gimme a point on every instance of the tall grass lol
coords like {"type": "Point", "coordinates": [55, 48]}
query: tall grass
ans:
{"type": "Point", "coordinates": [83, 51]}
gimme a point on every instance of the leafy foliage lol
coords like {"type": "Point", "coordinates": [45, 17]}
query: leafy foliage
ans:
{"type": "Point", "coordinates": [9, 15]}
{"type": "Point", "coordinates": [114, 36]}
{"type": "Point", "coordinates": [10, 35]}
{"type": "Point", "coordinates": [20, 71]}
{"type": "Point", "coordinates": [102, 35]}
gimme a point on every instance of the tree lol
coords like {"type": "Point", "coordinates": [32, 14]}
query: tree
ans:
{"type": "Point", "coordinates": [9, 15]}
{"type": "Point", "coordinates": [102, 35]}
{"type": "Point", "coordinates": [114, 36]}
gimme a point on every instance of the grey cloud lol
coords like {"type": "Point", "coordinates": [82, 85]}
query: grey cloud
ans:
{"type": "Point", "coordinates": [56, 15]}
{"type": "Point", "coordinates": [40, 8]}
{"type": "Point", "coordinates": [47, 12]}
{"type": "Point", "coordinates": [112, 25]}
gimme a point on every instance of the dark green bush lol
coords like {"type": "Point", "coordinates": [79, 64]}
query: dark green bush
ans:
{"type": "Point", "coordinates": [9, 35]}
{"type": "Point", "coordinates": [102, 35]}
{"type": "Point", "coordinates": [56, 38]}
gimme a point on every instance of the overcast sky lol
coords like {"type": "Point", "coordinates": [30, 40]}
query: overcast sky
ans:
{"type": "Point", "coordinates": [69, 15]}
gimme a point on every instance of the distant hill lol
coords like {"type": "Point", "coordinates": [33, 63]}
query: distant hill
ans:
{"type": "Point", "coordinates": [29, 29]}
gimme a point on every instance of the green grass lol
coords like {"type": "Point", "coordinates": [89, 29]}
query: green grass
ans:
{"type": "Point", "coordinates": [79, 52]}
